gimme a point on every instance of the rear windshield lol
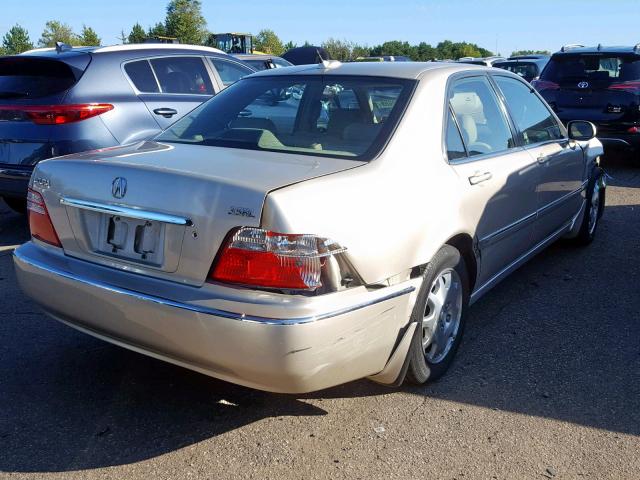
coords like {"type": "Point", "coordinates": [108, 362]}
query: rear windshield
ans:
{"type": "Point", "coordinates": [527, 70]}
{"type": "Point", "coordinates": [350, 117]}
{"type": "Point", "coordinates": [600, 70]}
{"type": "Point", "coordinates": [25, 77]}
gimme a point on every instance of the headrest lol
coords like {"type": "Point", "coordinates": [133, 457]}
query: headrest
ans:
{"type": "Point", "coordinates": [466, 103]}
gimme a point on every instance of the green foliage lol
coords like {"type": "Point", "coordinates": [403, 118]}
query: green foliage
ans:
{"type": "Point", "coordinates": [530, 52]}
{"type": "Point", "coordinates": [423, 51]}
{"type": "Point", "coordinates": [15, 41]}
{"type": "Point", "coordinates": [158, 30]}
{"type": "Point", "coordinates": [289, 45]}
{"type": "Point", "coordinates": [137, 34]}
{"type": "Point", "coordinates": [268, 42]}
{"type": "Point", "coordinates": [185, 22]}
{"type": "Point", "coordinates": [89, 37]}
{"type": "Point", "coordinates": [55, 31]}
{"type": "Point", "coordinates": [345, 50]}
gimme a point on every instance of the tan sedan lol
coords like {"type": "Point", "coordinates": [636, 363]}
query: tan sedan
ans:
{"type": "Point", "coordinates": [312, 225]}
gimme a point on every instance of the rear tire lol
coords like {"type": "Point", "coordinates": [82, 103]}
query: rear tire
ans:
{"type": "Point", "coordinates": [441, 312]}
{"type": "Point", "coordinates": [18, 205]}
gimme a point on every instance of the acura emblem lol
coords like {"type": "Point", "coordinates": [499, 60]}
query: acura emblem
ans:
{"type": "Point", "coordinates": [583, 85]}
{"type": "Point", "coordinates": [119, 187]}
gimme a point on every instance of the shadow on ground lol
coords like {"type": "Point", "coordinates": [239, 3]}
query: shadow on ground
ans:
{"type": "Point", "coordinates": [559, 339]}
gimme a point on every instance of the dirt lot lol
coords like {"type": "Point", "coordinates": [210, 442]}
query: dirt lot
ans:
{"type": "Point", "coordinates": [546, 385]}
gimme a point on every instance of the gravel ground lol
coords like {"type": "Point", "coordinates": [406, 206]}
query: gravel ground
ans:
{"type": "Point", "coordinates": [546, 385]}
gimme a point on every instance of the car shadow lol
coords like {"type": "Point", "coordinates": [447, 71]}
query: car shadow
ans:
{"type": "Point", "coordinates": [14, 229]}
{"type": "Point", "coordinates": [559, 339]}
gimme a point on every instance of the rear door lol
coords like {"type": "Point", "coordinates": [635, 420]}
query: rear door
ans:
{"type": "Point", "coordinates": [561, 161]}
{"type": "Point", "coordinates": [171, 86]}
{"type": "Point", "coordinates": [499, 176]}
{"type": "Point", "coordinates": [27, 82]}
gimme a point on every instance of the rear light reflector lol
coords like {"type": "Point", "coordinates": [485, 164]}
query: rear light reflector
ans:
{"type": "Point", "coordinates": [633, 130]}
{"type": "Point", "coordinates": [39, 220]}
{"type": "Point", "coordinates": [261, 258]}
{"type": "Point", "coordinates": [541, 85]}
{"type": "Point", "coordinates": [58, 114]}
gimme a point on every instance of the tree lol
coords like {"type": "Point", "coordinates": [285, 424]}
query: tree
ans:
{"type": "Point", "coordinates": [289, 45]}
{"type": "Point", "coordinates": [137, 34]}
{"type": "Point", "coordinates": [268, 42]}
{"type": "Point", "coordinates": [89, 37]}
{"type": "Point", "coordinates": [15, 41]}
{"type": "Point", "coordinates": [158, 30]}
{"type": "Point", "coordinates": [55, 31]}
{"type": "Point", "coordinates": [185, 22]}
{"type": "Point", "coordinates": [359, 51]}
{"type": "Point", "coordinates": [530, 52]}
{"type": "Point", "coordinates": [338, 49]}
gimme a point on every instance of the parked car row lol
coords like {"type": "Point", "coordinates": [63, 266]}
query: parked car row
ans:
{"type": "Point", "coordinates": [304, 227]}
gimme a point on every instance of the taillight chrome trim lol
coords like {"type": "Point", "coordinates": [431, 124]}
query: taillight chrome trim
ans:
{"type": "Point", "coordinates": [128, 212]}
{"type": "Point", "coordinates": [378, 296]}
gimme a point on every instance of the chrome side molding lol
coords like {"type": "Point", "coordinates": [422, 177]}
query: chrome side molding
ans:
{"type": "Point", "coordinates": [126, 211]}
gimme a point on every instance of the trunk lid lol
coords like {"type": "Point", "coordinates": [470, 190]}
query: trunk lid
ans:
{"type": "Point", "coordinates": [177, 203]}
{"type": "Point", "coordinates": [27, 81]}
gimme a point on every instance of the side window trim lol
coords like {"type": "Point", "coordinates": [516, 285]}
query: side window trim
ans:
{"type": "Point", "coordinates": [552, 114]}
{"type": "Point", "coordinates": [160, 92]}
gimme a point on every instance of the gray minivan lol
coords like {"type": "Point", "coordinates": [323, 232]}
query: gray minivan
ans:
{"type": "Point", "coordinates": [63, 100]}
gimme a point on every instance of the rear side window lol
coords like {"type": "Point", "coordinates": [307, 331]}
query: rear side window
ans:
{"type": "Point", "coordinates": [599, 70]}
{"type": "Point", "coordinates": [482, 122]}
{"type": "Point", "coordinates": [142, 77]}
{"type": "Point", "coordinates": [28, 77]}
{"type": "Point", "coordinates": [230, 72]}
{"type": "Point", "coordinates": [531, 116]}
{"type": "Point", "coordinates": [186, 75]}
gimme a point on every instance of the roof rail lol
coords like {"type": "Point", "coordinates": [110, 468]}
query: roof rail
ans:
{"type": "Point", "coordinates": [570, 46]}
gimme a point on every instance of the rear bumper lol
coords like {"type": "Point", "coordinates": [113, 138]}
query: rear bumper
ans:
{"type": "Point", "coordinates": [14, 181]}
{"type": "Point", "coordinates": [308, 347]}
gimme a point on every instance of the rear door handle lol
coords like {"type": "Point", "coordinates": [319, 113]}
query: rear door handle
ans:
{"type": "Point", "coordinates": [543, 158]}
{"type": "Point", "coordinates": [480, 177]}
{"type": "Point", "coordinates": [165, 112]}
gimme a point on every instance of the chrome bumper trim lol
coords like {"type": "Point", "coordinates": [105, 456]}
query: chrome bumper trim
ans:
{"type": "Point", "coordinates": [126, 211]}
{"type": "Point", "coordinates": [19, 257]}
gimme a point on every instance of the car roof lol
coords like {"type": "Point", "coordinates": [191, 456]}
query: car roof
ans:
{"type": "Point", "coordinates": [406, 70]}
{"type": "Point", "coordinates": [130, 47]}
{"type": "Point", "coordinates": [253, 56]}
{"type": "Point", "coordinates": [573, 49]}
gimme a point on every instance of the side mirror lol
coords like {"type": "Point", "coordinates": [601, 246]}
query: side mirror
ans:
{"type": "Point", "coordinates": [581, 130]}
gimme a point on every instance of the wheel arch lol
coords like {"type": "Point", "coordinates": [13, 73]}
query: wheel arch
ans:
{"type": "Point", "coordinates": [463, 242]}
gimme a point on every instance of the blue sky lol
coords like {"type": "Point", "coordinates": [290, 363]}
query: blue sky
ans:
{"type": "Point", "coordinates": [534, 24]}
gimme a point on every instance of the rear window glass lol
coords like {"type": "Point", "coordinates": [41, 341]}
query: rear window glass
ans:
{"type": "Point", "coordinates": [349, 117]}
{"type": "Point", "coordinates": [597, 69]}
{"type": "Point", "coordinates": [24, 77]}
{"type": "Point", "coordinates": [142, 77]}
{"type": "Point", "coordinates": [526, 70]}
{"type": "Point", "coordinates": [186, 75]}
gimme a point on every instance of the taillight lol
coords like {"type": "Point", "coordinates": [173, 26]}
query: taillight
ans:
{"type": "Point", "coordinates": [260, 258]}
{"type": "Point", "coordinates": [541, 85]}
{"type": "Point", "coordinates": [633, 87]}
{"type": "Point", "coordinates": [58, 114]}
{"type": "Point", "coordinates": [39, 220]}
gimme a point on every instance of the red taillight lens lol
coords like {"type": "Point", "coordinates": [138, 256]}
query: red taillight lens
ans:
{"type": "Point", "coordinates": [632, 87]}
{"type": "Point", "coordinates": [257, 257]}
{"type": "Point", "coordinates": [39, 220]}
{"type": "Point", "coordinates": [58, 114]}
{"type": "Point", "coordinates": [541, 85]}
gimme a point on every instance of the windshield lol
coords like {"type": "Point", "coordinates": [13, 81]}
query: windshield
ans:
{"type": "Point", "coordinates": [599, 70]}
{"type": "Point", "coordinates": [350, 117]}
